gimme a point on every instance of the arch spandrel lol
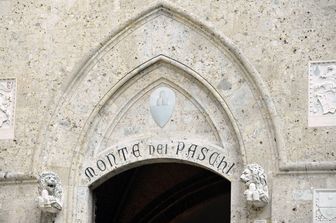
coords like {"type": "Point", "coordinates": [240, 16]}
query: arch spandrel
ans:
{"type": "Point", "coordinates": [103, 75]}
{"type": "Point", "coordinates": [160, 35]}
{"type": "Point", "coordinates": [197, 113]}
{"type": "Point", "coordinates": [207, 140]}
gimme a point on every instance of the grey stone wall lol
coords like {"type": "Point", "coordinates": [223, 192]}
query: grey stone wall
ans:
{"type": "Point", "coordinates": [45, 44]}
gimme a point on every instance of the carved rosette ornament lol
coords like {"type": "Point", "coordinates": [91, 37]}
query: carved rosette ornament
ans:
{"type": "Point", "coordinates": [50, 193]}
{"type": "Point", "coordinates": [255, 180]}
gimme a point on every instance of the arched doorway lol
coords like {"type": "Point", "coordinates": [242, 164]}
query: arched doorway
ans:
{"type": "Point", "coordinates": [165, 193]}
{"type": "Point", "coordinates": [103, 123]}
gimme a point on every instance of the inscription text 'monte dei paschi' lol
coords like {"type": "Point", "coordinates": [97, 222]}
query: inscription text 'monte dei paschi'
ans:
{"type": "Point", "coordinates": [193, 152]}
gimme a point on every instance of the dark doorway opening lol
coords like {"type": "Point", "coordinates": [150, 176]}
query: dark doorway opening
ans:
{"type": "Point", "coordinates": [163, 193]}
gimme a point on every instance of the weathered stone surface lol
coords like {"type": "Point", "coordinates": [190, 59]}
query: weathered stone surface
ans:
{"type": "Point", "coordinates": [85, 71]}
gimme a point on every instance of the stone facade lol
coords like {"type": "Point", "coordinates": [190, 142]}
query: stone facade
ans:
{"type": "Point", "coordinates": [245, 78]}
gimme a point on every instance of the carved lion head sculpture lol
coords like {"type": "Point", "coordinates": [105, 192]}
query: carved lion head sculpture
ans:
{"type": "Point", "coordinates": [50, 181]}
{"type": "Point", "coordinates": [254, 173]}
{"type": "Point", "coordinates": [255, 180]}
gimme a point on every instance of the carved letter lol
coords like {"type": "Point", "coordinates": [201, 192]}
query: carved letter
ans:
{"type": "Point", "coordinates": [136, 150]}
{"type": "Point", "coordinates": [89, 172]}
{"type": "Point", "coordinates": [151, 149]}
{"type": "Point", "coordinates": [122, 150]}
{"type": "Point", "coordinates": [210, 158]}
{"type": "Point", "coordinates": [178, 149]}
{"type": "Point", "coordinates": [204, 150]}
{"type": "Point", "coordinates": [101, 165]}
{"type": "Point", "coordinates": [222, 162]}
{"type": "Point", "coordinates": [108, 158]}
{"type": "Point", "coordinates": [192, 150]}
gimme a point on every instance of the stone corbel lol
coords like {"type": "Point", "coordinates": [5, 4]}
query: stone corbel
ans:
{"type": "Point", "coordinates": [255, 180]}
{"type": "Point", "coordinates": [50, 193]}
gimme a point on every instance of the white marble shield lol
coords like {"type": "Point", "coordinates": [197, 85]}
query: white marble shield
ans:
{"type": "Point", "coordinates": [162, 103]}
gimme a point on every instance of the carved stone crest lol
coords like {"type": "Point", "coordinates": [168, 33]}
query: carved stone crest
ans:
{"type": "Point", "coordinates": [50, 193]}
{"type": "Point", "coordinates": [162, 103]}
{"type": "Point", "coordinates": [255, 180]}
{"type": "Point", "coordinates": [324, 206]}
{"type": "Point", "coordinates": [322, 93]}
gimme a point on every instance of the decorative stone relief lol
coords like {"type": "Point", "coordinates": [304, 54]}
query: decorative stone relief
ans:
{"type": "Point", "coordinates": [324, 206]}
{"type": "Point", "coordinates": [257, 190]}
{"type": "Point", "coordinates": [322, 94]}
{"type": "Point", "coordinates": [162, 103]}
{"type": "Point", "coordinates": [7, 108]}
{"type": "Point", "coordinates": [50, 190]}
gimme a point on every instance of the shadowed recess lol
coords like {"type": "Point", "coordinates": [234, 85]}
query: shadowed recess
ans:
{"type": "Point", "coordinates": [165, 193]}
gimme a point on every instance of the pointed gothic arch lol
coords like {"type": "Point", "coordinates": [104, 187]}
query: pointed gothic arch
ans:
{"type": "Point", "coordinates": [192, 48]}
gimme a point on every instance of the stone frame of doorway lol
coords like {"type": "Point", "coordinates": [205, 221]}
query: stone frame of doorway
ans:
{"type": "Point", "coordinates": [249, 150]}
{"type": "Point", "coordinates": [238, 205]}
{"type": "Point", "coordinates": [236, 186]}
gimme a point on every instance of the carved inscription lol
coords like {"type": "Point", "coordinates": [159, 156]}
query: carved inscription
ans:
{"type": "Point", "coordinates": [325, 206]}
{"type": "Point", "coordinates": [7, 108]}
{"type": "Point", "coordinates": [322, 94]}
{"type": "Point", "coordinates": [175, 150]}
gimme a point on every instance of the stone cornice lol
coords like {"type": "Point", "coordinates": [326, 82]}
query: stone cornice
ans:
{"type": "Point", "coordinates": [15, 177]}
